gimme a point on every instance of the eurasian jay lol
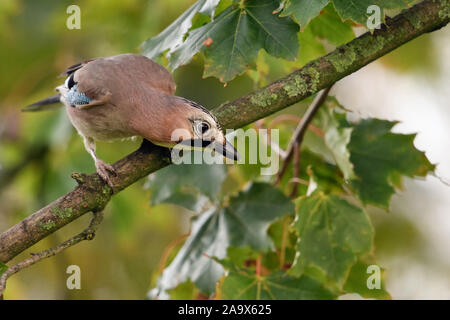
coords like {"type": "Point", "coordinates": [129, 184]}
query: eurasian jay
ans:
{"type": "Point", "coordinates": [130, 95]}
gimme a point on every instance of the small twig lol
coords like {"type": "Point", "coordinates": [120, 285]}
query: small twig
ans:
{"type": "Point", "coordinates": [296, 120]}
{"type": "Point", "coordinates": [298, 180]}
{"type": "Point", "coordinates": [259, 124]}
{"type": "Point", "coordinates": [258, 266]}
{"type": "Point", "coordinates": [168, 250]}
{"type": "Point", "coordinates": [296, 169]}
{"type": "Point", "coordinates": [441, 179]}
{"type": "Point", "coordinates": [87, 234]}
{"type": "Point", "coordinates": [299, 132]}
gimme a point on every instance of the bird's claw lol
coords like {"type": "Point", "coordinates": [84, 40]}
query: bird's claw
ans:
{"type": "Point", "coordinates": [105, 171]}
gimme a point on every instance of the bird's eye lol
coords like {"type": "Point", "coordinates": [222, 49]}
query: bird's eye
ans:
{"type": "Point", "coordinates": [202, 127]}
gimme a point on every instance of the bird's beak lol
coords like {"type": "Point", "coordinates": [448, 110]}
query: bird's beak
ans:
{"type": "Point", "coordinates": [226, 149]}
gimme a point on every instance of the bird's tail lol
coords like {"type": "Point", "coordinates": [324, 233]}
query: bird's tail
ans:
{"type": "Point", "coordinates": [45, 104]}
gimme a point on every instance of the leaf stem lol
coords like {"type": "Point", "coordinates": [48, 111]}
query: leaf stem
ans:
{"type": "Point", "coordinates": [296, 169]}
{"type": "Point", "coordinates": [258, 265]}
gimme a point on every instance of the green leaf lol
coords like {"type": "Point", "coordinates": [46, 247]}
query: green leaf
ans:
{"type": "Point", "coordinates": [311, 46]}
{"type": "Point", "coordinates": [250, 213]}
{"type": "Point", "coordinates": [200, 183]}
{"type": "Point", "coordinates": [353, 9]}
{"type": "Point", "coordinates": [208, 239]}
{"type": "Point", "coordinates": [381, 158]}
{"type": "Point", "coordinates": [304, 10]}
{"type": "Point", "coordinates": [332, 235]}
{"type": "Point", "coordinates": [371, 157]}
{"type": "Point", "coordinates": [174, 34]}
{"type": "Point", "coordinates": [244, 222]}
{"type": "Point", "coordinates": [358, 278]}
{"type": "Point", "coordinates": [337, 138]}
{"type": "Point", "coordinates": [326, 175]}
{"type": "Point", "coordinates": [244, 284]}
{"type": "Point", "coordinates": [239, 255]}
{"type": "Point", "coordinates": [184, 291]}
{"type": "Point", "coordinates": [231, 42]}
{"type": "Point", "coordinates": [357, 9]}
{"type": "Point", "coordinates": [314, 166]}
{"type": "Point", "coordinates": [328, 25]}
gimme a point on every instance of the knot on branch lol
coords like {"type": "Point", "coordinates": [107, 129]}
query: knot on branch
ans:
{"type": "Point", "coordinates": [79, 178]}
{"type": "Point", "coordinates": [90, 236]}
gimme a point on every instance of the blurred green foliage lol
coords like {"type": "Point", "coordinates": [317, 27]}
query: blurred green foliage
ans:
{"type": "Point", "coordinates": [35, 47]}
{"type": "Point", "coordinates": [39, 151]}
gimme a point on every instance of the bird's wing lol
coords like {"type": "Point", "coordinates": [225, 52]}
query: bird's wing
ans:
{"type": "Point", "coordinates": [138, 68]}
{"type": "Point", "coordinates": [118, 79]}
{"type": "Point", "coordinates": [74, 68]}
{"type": "Point", "coordinates": [115, 79]}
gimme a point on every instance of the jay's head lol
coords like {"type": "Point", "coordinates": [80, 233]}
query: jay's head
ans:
{"type": "Point", "coordinates": [197, 128]}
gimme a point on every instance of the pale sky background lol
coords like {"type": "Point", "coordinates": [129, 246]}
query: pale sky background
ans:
{"type": "Point", "coordinates": [422, 104]}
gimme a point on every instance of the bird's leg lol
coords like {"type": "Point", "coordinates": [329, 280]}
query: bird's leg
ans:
{"type": "Point", "coordinates": [103, 169]}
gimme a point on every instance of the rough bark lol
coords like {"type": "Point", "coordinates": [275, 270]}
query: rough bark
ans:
{"type": "Point", "coordinates": [93, 195]}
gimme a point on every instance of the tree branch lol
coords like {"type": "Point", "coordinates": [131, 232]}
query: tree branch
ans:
{"type": "Point", "coordinates": [87, 234]}
{"type": "Point", "coordinates": [92, 194]}
{"type": "Point", "coordinates": [299, 133]}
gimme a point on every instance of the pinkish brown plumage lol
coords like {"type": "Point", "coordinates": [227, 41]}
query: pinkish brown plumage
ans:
{"type": "Point", "coordinates": [130, 95]}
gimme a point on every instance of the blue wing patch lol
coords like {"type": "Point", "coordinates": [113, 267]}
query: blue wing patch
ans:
{"type": "Point", "coordinates": [76, 98]}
